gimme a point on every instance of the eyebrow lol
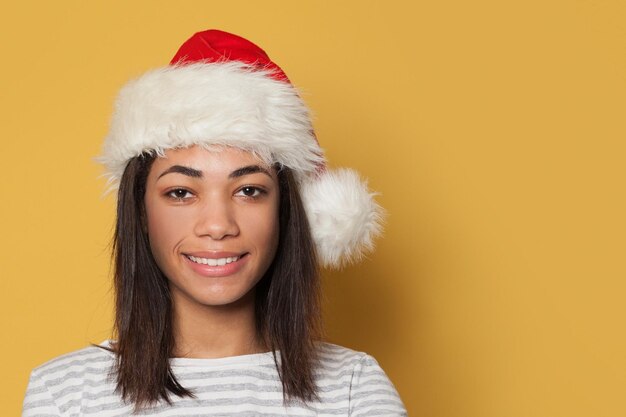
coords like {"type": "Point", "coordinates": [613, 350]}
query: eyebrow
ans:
{"type": "Point", "coordinates": [194, 173]}
{"type": "Point", "coordinates": [247, 170]}
{"type": "Point", "coordinates": [179, 169]}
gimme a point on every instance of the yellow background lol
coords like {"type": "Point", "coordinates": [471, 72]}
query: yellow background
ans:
{"type": "Point", "coordinates": [494, 131]}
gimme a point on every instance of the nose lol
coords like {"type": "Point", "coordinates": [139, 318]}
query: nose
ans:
{"type": "Point", "coordinates": [216, 219]}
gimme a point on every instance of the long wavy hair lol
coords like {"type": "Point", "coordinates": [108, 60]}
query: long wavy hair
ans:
{"type": "Point", "coordinates": [287, 306]}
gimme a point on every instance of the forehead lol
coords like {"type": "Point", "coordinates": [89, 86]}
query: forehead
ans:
{"type": "Point", "coordinates": [217, 160]}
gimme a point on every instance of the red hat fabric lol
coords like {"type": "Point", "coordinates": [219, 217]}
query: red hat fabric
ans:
{"type": "Point", "coordinates": [215, 45]}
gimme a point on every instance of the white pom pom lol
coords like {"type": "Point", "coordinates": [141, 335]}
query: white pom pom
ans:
{"type": "Point", "coordinates": [343, 215]}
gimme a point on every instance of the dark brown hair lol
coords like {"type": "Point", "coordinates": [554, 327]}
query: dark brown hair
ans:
{"type": "Point", "coordinates": [287, 307]}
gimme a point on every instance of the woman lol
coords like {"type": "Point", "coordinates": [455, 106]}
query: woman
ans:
{"type": "Point", "coordinates": [225, 208]}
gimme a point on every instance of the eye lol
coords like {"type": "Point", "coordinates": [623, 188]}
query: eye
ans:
{"type": "Point", "coordinates": [179, 194]}
{"type": "Point", "coordinates": [251, 192]}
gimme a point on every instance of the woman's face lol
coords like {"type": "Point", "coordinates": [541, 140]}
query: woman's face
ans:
{"type": "Point", "coordinates": [212, 221]}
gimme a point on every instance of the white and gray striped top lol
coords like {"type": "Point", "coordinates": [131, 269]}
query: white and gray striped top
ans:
{"type": "Point", "coordinates": [350, 384]}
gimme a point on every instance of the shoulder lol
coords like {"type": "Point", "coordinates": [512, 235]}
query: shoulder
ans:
{"type": "Point", "coordinates": [329, 353]}
{"type": "Point", "coordinates": [88, 359]}
{"type": "Point", "coordinates": [339, 357]}
{"type": "Point", "coordinates": [57, 383]}
{"type": "Point", "coordinates": [371, 392]}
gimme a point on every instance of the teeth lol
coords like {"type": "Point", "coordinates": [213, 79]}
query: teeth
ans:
{"type": "Point", "coordinates": [213, 262]}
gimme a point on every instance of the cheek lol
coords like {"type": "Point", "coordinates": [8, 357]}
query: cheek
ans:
{"type": "Point", "coordinates": [263, 230]}
{"type": "Point", "coordinates": [164, 229]}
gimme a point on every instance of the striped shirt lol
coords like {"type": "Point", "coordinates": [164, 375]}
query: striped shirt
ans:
{"type": "Point", "coordinates": [349, 384]}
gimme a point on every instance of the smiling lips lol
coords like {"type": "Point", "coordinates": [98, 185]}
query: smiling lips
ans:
{"type": "Point", "coordinates": [213, 261]}
{"type": "Point", "coordinates": [218, 264]}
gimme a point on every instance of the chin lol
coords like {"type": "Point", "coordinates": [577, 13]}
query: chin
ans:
{"type": "Point", "coordinates": [239, 298]}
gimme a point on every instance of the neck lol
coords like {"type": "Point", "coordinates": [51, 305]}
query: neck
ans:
{"type": "Point", "coordinates": [202, 331]}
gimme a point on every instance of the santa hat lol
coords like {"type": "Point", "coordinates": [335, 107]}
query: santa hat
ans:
{"type": "Point", "coordinates": [221, 89]}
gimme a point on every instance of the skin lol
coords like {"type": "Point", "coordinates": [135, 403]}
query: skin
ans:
{"type": "Point", "coordinates": [212, 204]}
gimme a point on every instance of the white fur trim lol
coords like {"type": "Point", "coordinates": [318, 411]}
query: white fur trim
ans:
{"type": "Point", "coordinates": [343, 215]}
{"type": "Point", "coordinates": [219, 103]}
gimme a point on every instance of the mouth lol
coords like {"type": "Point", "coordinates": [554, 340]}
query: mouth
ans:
{"type": "Point", "coordinates": [218, 264]}
{"type": "Point", "coordinates": [214, 261]}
